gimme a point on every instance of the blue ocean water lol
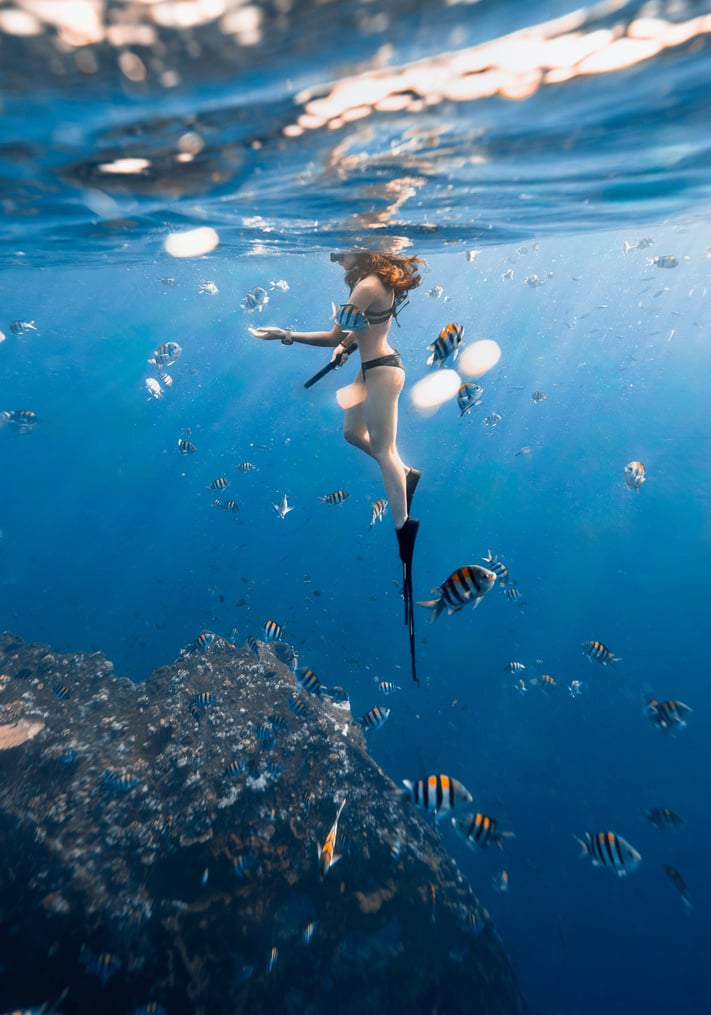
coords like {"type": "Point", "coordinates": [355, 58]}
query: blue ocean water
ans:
{"type": "Point", "coordinates": [109, 537]}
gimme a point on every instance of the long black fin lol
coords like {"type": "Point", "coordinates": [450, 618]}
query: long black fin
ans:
{"type": "Point", "coordinates": [406, 536]}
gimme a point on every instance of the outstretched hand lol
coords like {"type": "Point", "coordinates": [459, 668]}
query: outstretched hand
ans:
{"type": "Point", "coordinates": [268, 334]}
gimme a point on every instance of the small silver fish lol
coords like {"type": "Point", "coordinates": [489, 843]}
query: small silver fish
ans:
{"type": "Point", "coordinates": [666, 261]}
{"type": "Point", "coordinates": [280, 284]}
{"type": "Point", "coordinates": [153, 388]}
{"type": "Point", "coordinates": [283, 508]}
{"type": "Point", "coordinates": [22, 327]}
{"type": "Point", "coordinates": [209, 288]}
{"type": "Point", "coordinates": [492, 420]}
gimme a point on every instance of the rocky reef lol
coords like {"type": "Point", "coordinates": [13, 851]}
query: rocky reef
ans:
{"type": "Point", "coordinates": [161, 845]}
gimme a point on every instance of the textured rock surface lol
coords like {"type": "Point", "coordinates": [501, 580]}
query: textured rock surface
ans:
{"type": "Point", "coordinates": [157, 848]}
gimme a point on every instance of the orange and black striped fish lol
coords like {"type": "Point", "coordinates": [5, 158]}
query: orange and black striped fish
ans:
{"type": "Point", "coordinates": [437, 793]}
{"type": "Point", "coordinates": [468, 584]}
{"type": "Point", "coordinates": [609, 850]}
{"type": "Point", "coordinates": [379, 509]}
{"type": "Point", "coordinates": [328, 855]}
{"type": "Point", "coordinates": [663, 817]}
{"type": "Point", "coordinates": [447, 343]}
{"type": "Point", "coordinates": [479, 830]}
{"type": "Point", "coordinates": [666, 715]}
{"type": "Point", "coordinates": [375, 718]}
{"type": "Point", "coordinates": [599, 652]}
{"type": "Point", "coordinates": [272, 631]}
{"type": "Point", "coordinates": [337, 497]}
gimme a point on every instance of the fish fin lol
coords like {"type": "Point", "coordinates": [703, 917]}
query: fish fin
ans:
{"type": "Point", "coordinates": [430, 360]}
{"type": "Point", "coordinates": [432, 604]}
{"type": "Point", "coordinates": [584, 847]}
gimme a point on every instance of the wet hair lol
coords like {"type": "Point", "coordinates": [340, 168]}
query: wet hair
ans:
{"type": "Point", "coordinates": [398, 273]}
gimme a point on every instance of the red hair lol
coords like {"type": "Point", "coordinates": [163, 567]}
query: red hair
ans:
{"type": "Point", "coordinates": [398, 273]}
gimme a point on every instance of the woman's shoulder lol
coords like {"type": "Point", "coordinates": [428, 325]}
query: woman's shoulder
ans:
{"type": "Point", "coordinates": [371, 286]}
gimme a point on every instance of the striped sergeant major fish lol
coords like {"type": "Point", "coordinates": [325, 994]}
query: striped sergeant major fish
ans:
{"type": "Point", "coordinates": [186, 447]}
{"type": "Point", "coordinates": [663, 817]}
{"type": "Point", "coordinates": [255, 299]}
{"type": "Point", "coordinates": [166, 354]}
{"type": "Point", "coordinates": [203, 641]}
{"type": "Point", "coordinates": [387, 687]}
{"type": "Point", "coordinates": [635, 475]}
{"type": "Point", "coordinates": [120, 782]}
{"type": "Point", "coordinates": [600, 653]}
{"type": "Point", "coordinates": [221, 483]}
{"type": "Point", "coordinates": [479, 830]}
{"type": "Point", "coordinates": [203, 699]}
{"type": "Point", "coordinates": [245, 467]}
{"type": "Point", "coordinates": [349, 317]}
{"type": "Point", "coordinates": [231, 506]}
{"type": "Point", "coordinates": [337, 497]}
{"type": "Point", "coordinates": [468, 584]}
{"type": "Point", "coordinates": [498, 567]}
{"type": "Point", "coordinates": [666, 715]}
{"type": "Point", "coordinates": [447, 343]}
{"type": "Point", "coordinates": [272, 631]}
{"type": "Point", "coordinates": [437, 793]}
{"type": "Point", "coordinates": [21, 419]}
{"type": "Point", "coordinates": [609, 850]}
{"type": "Point", "coordinates": [308, 681]}
{"type": "Point", "coordinates": [515, 667]}
{"type": "Point", "coordinates": [379, 509]}
{"type": "Point", "coordinates": [468, 396]}
{"type": "Point", "coordinates": [327, 854]}
{"type": "Point", "coordinates": [679, 883]}
{"type": "Point", "coordinates": [375, 718]}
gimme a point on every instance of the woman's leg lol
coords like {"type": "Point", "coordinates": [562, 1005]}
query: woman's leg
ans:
{"type": "Point", "coordinates": [355, 431]}
{"type": "Point", "coordinates": [380, 416]}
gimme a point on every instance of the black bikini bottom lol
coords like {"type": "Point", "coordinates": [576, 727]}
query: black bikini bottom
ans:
{"type": "Point", "coordinates": [392, 359]}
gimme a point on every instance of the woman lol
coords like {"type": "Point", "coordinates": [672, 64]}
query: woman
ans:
{"type": "Point", "coordinates": [378, 285]}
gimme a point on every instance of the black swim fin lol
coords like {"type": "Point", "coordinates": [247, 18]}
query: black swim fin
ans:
{"type": "Point", "coordinates": [412, 478]}
{"type": "Point", "coordinates": [406, 536]}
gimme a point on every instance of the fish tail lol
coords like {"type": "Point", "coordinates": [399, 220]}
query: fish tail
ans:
{"type": "Point", "coordinates": [585, 851]}
{"type": "Point", "coordinates": [435, 605]}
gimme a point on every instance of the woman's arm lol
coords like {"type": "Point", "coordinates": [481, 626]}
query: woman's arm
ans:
{"type": "Point", "coordinates": [324, 339]}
